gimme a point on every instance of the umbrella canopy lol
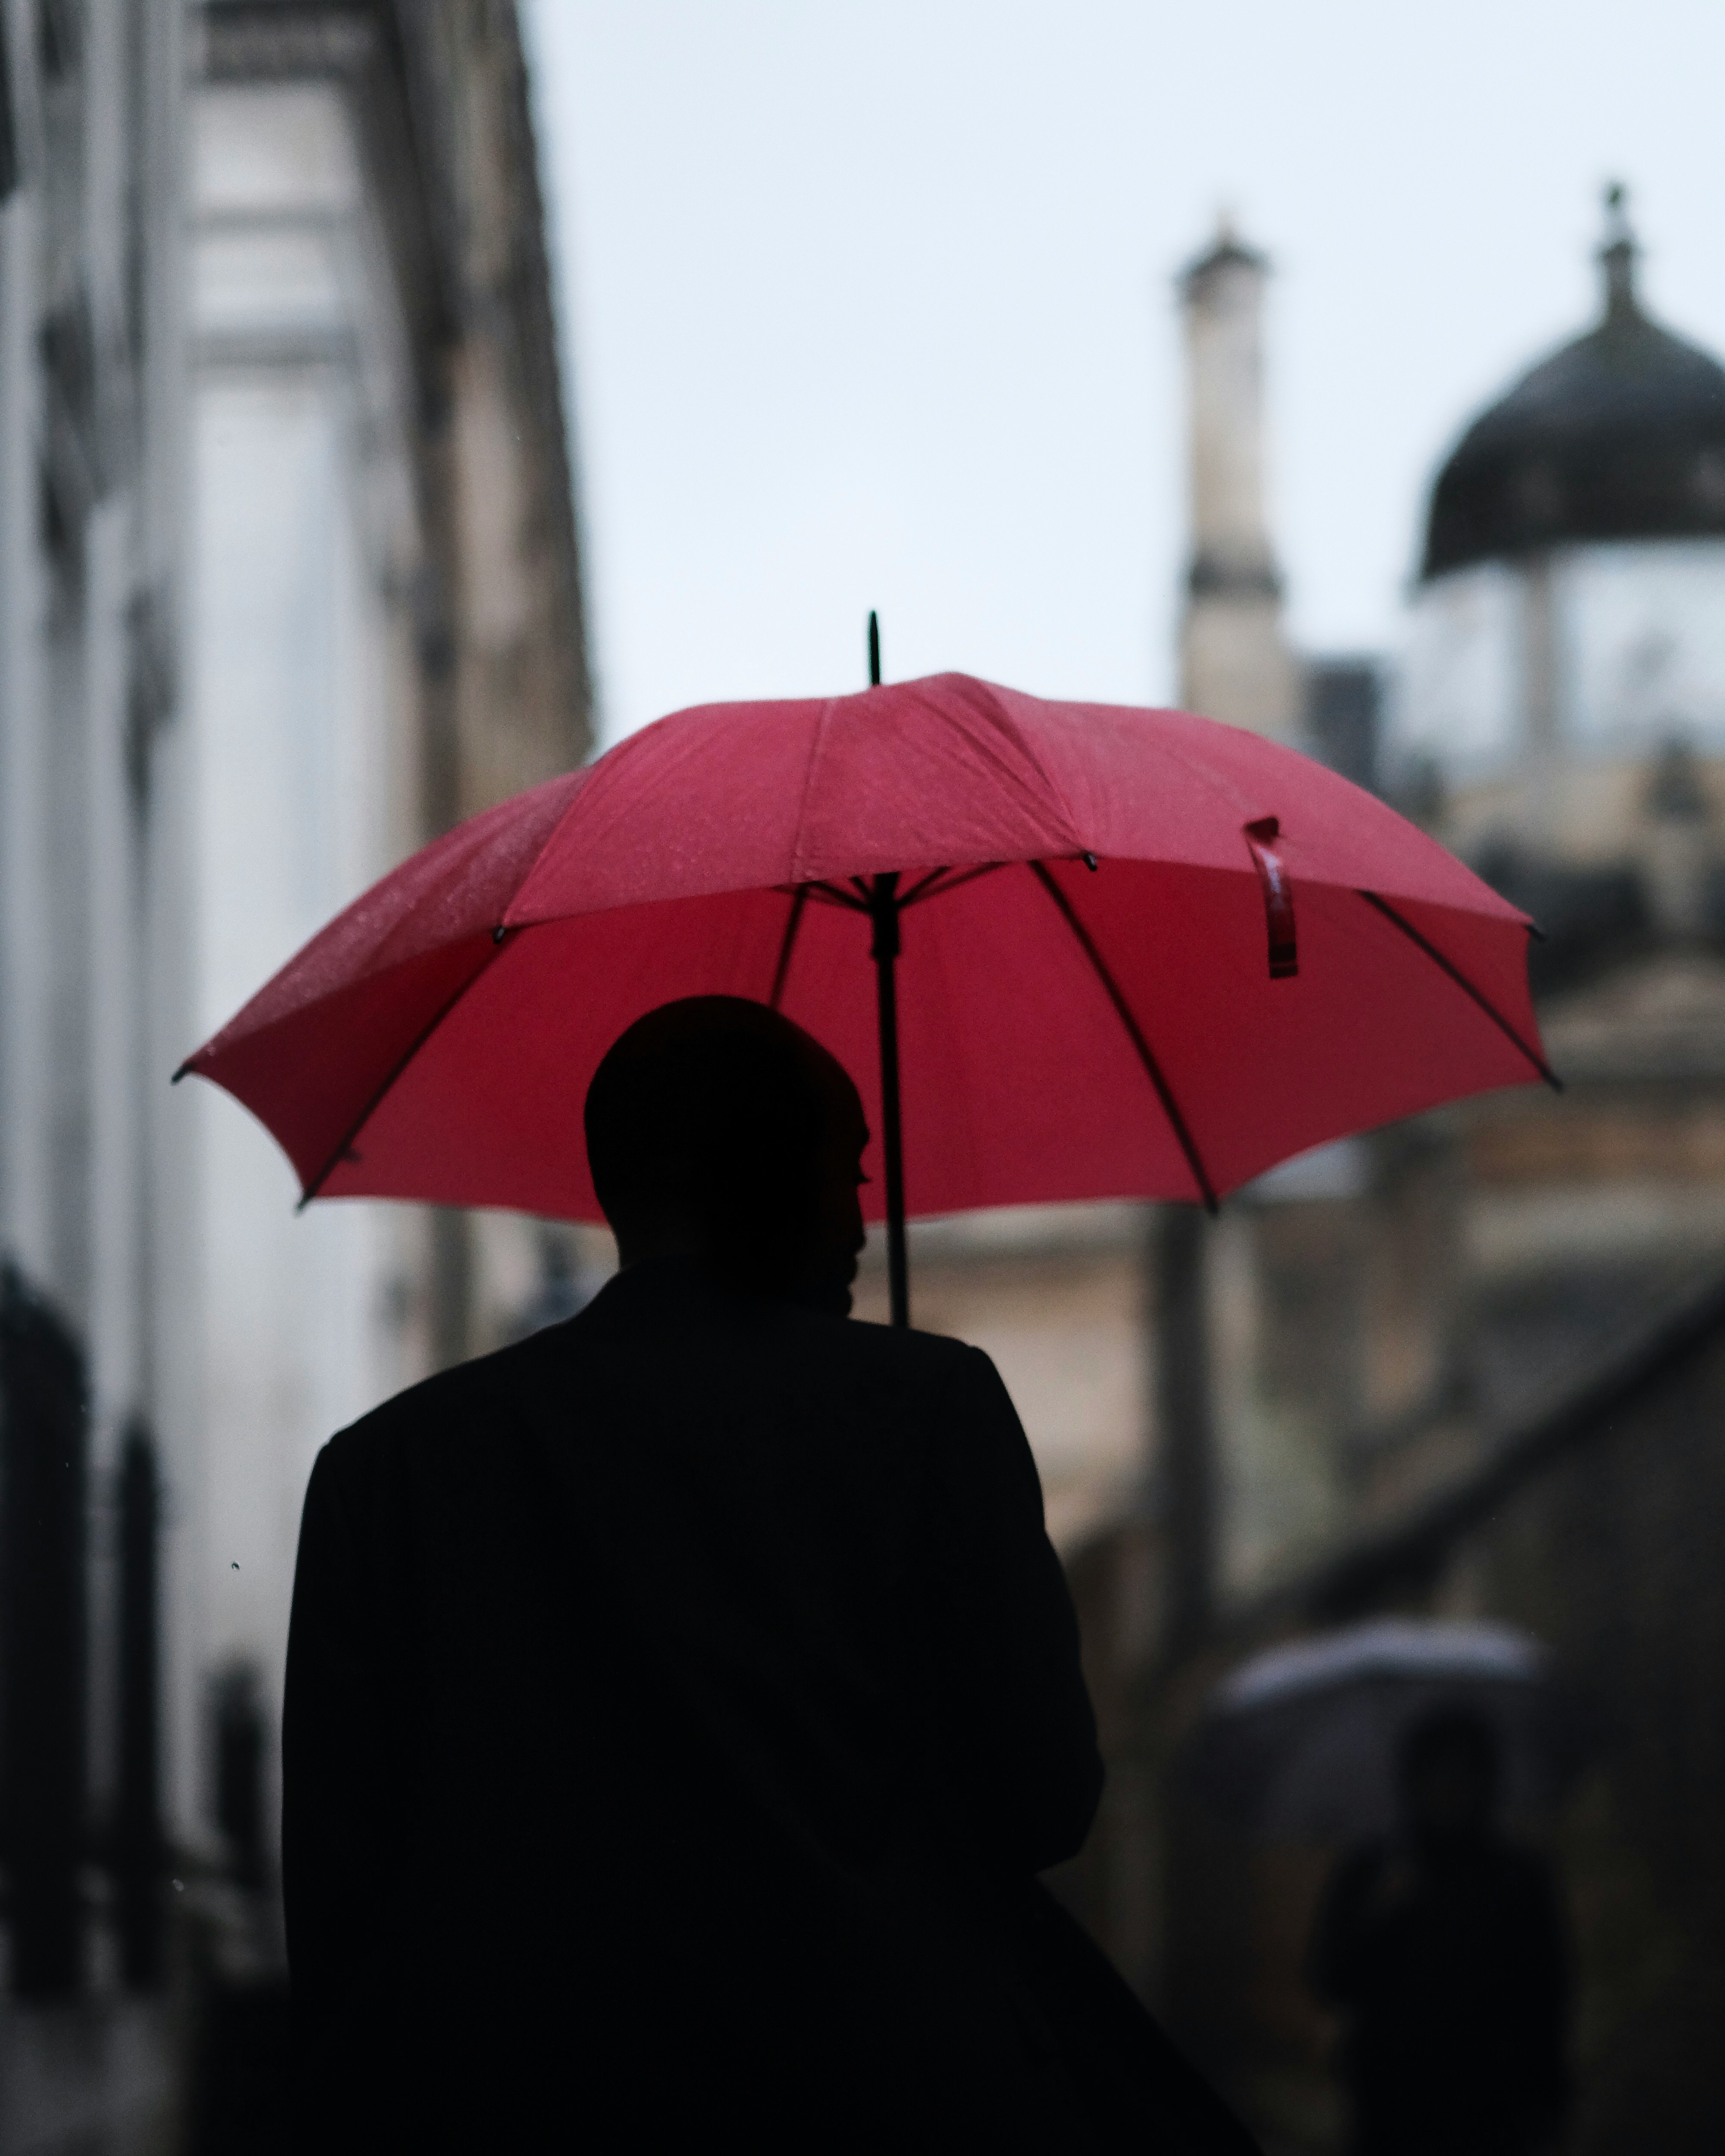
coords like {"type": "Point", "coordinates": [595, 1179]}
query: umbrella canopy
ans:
{"type": "Point", "coordinates": [1124, 954]}
{"type": "Point", "coordinates": [1300, 1743]}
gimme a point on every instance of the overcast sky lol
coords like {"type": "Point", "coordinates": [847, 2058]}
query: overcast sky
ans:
{"type": "Point", "coordinates": [872, 304]}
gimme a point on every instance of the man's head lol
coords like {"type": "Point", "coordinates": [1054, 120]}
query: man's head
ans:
{"type": "Point", "coordinates": [716, 1129]}
{"type": "Point", "coordinates": [1450, 1764]}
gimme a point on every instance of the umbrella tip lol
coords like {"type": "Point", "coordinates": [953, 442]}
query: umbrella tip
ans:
{"type": "Point", "coordinates": [184, 1071]}
{"type": "Point", "coordinates": [873, 649]}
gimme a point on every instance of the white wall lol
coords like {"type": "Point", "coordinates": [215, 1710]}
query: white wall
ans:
{"type": "Point", "coordinates": [301, 681]}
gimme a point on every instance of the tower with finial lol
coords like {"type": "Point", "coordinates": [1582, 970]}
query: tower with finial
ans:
{"type": "Point", "coordinates": [1234, 662]}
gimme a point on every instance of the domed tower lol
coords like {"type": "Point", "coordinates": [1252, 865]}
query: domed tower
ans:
{"type": "Point", "coordinates": [1563, 716]}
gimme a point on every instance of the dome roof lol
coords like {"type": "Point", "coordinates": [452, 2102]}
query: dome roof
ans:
{"type": "Point", "coordinates": [1621, 435]}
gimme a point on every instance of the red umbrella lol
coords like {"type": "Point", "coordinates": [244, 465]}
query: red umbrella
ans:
{"type": "Point", "coordinates": [1118, 953]}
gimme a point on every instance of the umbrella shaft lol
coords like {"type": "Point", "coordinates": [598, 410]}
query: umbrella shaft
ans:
{"type": "Point", "coordinates": [884, 908]}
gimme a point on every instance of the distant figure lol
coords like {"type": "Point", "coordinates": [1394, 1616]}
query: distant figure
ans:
{"type": "Point", "coordinates": [682, 1702]}
{"type": "Point", "coordinates": [1445, 1949]}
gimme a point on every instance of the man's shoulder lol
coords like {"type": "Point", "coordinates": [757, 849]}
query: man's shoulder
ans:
{"type": "Point", "coordinates": [452, 1402]}
{"type": "Point", "coordinates": [446, 1414]}
{"type": "Point", "coordinates": [932, 1354]}
{"type": "Point", "coordinates": [858, 1352]}
{"type": "Point", "coordinates": [638, 1313]}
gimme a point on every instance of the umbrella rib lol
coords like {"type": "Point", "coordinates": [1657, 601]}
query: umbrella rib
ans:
{"type": "Point", "coordinates": [371, 1107]}
{"type": "Point", "coordinates": [788, 944]}
{"type": "Point", "coordinates": [1164, 1092]}
{"type": "Point", "coordinates": [828, 894]}
{"type": "Point", "coordinates": [918, 889]}
{"type": "Point", "coordinates": [928, 888]}
{"type": "Point", "coordinates": [1466, 986]}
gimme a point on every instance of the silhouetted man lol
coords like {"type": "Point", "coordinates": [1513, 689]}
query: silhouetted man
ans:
{"type": "Point", "coordinates": [680, 1701]}
{"type": "Point", "coordinates": [1444, 1947]}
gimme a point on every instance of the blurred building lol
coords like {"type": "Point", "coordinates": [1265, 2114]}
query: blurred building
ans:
{"type": "Point", "coordinates": [1564, 704]}
{"type": "Point", "coordinates": [1562, 725]}
{"type": "Point", "coordinates": [1375, 1307]}
{"type": "Point", "coordinates": [288, 582]}
{"type": "Point", "coordinates": [93, 921]}
{"type": "Point", "coordinates": [1468, 1366]}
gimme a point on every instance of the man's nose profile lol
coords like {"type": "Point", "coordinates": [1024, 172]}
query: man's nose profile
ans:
{"type": "Point", "coordinates": [682, 1700]}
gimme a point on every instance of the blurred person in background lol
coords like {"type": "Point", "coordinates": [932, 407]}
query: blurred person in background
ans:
{"type": "Point", "coordinates": [1444, 1949]}
{"type": "Point", "coordinates": [682, 1702]}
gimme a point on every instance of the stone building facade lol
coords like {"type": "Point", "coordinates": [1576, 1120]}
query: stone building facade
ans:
{"type": "Point", "coordinates": [288, 582]}
{"type": "Point", "coordinates": [92, 926]}
{"type": "Point", "coordinates": [1468, 1366]}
